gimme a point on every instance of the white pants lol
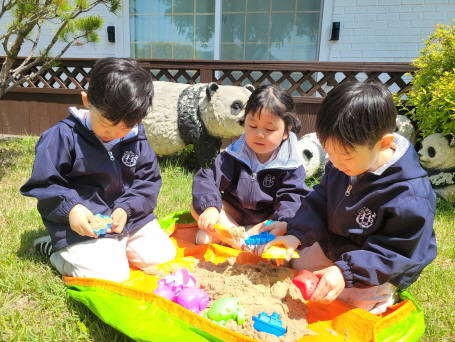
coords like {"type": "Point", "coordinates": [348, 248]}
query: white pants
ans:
{"type": "Point", "coordinates": [109, 258]}
{"type": "Point", "coordinates": [374, 299]}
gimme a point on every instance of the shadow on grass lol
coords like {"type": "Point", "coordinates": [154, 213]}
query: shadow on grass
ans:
{"type": "Point", "coordinates": [26, 249]}
{"type": "Point", "coordinates": [185, 159]}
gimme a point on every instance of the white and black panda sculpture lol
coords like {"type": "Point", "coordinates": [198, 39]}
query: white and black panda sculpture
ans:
{"type": "Point", "coordinates": [313, 154]}
{"type": "Point", "coordinates": [199, 114]}
{"type": "Point", "coordinates": [437, 157]}
{"type": "Point", "coordinates": [406, 128]}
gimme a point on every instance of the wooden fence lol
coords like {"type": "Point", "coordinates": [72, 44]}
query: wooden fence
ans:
{"type": "Point", "coordinates": [35, 106]}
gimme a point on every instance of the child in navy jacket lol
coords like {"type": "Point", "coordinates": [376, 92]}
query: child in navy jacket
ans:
{"type": "Point", "coordinates": [258, 177]}
{"type": "Point", "coordinates": [367, 229]}
{"type": "Point", "coordinates": [99, 162]}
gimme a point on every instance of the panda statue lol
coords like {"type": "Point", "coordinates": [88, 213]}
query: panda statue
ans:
{"type": "Point", "coordinates": [406, 128]}
{"type": "Point", "coordinates": [313, 154]}
{"type": "Point", "coordinates": [199, 114]}
{"type": "Point", "coordinates": [437, 157]}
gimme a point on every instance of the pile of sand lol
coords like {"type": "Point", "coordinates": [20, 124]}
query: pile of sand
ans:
{"type": "Point", "coordinates": [261, 288]}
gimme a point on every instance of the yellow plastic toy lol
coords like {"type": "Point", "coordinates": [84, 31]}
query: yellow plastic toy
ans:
{"type": "Point", "coordinates": [275, 252]}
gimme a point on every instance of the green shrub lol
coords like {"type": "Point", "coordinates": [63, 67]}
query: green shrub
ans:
{"type": "Point", "coordinates": [432, 92]}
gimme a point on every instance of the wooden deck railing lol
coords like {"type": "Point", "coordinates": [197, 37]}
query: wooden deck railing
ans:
{"type": "Point", "coordinates": [308, 82]}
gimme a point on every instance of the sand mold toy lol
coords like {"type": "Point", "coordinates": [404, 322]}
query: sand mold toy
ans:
{"type": "Point", "coordinates": [101, 227]}
{"type": "Point", "coordinates": [270, 324]}
{"type": "Point", "coordinates": [306, 281]}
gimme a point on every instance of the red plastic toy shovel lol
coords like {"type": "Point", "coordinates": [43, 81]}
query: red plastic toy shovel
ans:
{"type": "Point", "coordinates": [306, 281]}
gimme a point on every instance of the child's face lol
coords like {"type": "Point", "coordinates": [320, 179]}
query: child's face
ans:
{"type": "Point", "coordinates": [104, 128]}
{"type": "Point", "coordinates": [263, 135]}
{"type": "Point", "coordinates": [354, 162]}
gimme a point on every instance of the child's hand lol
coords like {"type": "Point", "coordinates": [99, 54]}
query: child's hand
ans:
{"type": "Point", "coordinates": [80, 218]}
{"type": "Point", "coordinates": [330, 285]}
{"type": "Point", "coordinates": [277, 228]}
{"type": "Point", "coordinates": [208, 218]}
{"type": "Point", "coordinates": [289, 241]}
{"type": "Point", "coordinates": [119, 218]}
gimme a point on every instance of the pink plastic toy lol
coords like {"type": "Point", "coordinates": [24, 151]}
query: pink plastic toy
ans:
{"type": "Point", "coordinates": [173, 284]}
{"type": "Point", "coordinates": [306, 281]}
{"type": "Point", "coordinates": [180, 288]}
{"type": "Point", "coordinates": [193, 298]}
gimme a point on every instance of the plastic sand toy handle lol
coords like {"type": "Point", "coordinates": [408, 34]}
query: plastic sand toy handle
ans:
{"type": "Point", "coordinates": [223, 231]}
{"type": "Point", "coordinates": [275, 252]}
{"type": "Point", "coordinates": [219, 227]}
{"type": "Point", "coordinates": [306, 281]}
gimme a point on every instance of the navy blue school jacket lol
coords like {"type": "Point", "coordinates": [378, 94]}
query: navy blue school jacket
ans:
{"type": "Point", "coordinates": [379, 231]}
{"type": "Point", "coordinates": [73, 167]}
{"type": "Point", "coordinates": [276, 190]}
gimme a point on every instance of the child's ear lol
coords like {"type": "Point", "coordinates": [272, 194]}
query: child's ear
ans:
{"type": "Point", "coordinates": [85, 99]}
{"type": "Point", "coordinates": [385, 142]}
{"type": "Point", "coordinates": [286, 134]}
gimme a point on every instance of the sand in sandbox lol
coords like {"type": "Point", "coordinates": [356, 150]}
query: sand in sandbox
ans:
{"type": "Point", "coordinates": [237, 233]}
{"type": "Point", "coordinates": [261, 288]}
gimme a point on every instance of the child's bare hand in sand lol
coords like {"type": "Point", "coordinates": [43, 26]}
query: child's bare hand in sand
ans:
{"type": "Point", "coordinates": [277, 228]}
{"type": "Point", "coordinates": [80, 218]}
{"type": "Point", "coordinates": [119, 218]}
{"type": "Point", "coordinates": [330, 285]}
{"type": "Point", "coordinates": [208, 218]}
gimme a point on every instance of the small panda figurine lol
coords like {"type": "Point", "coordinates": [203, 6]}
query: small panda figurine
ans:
{"type": "Point", "coordinates": [200, 114]}
{"type": "Point", "coordinates": [437, 157]}
{"type": "Point", "coordinates": [313, 154]}
{"type": "Point", "coordinates": [406, 128]}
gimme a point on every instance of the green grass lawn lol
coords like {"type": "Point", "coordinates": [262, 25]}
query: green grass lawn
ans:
{"type": "Point", "coordinates": [35, 307]}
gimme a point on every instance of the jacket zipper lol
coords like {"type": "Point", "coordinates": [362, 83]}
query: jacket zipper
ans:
{"type": "Point", "coordinates": [253, 179]}
{"type": "Point", "coordinates": [112, 158]}
{"type": "Point", "coordinates": [348, 190]}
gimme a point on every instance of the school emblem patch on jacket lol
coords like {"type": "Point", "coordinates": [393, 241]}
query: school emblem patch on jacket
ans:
{"type": "Point", "coordinates": [129, 158]}
{"type": "Point", "coordinates": [268, 181]}
{"type": "Point", "coordinates": [365, 217]}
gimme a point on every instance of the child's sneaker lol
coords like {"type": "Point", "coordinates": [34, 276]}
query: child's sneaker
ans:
{"type": "Point", "coordinates": [44, 245]}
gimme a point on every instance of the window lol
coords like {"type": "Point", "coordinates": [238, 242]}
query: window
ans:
{"type": "Point", "coordinates": [247, 29]}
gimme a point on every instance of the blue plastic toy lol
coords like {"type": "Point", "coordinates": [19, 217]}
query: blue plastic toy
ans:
{"type": "Point", "coordinates": [270, 324]}
{"type": "Point", "coordinates": [259, 239]}
{"type": "Point", "coordinates": [103, 229]}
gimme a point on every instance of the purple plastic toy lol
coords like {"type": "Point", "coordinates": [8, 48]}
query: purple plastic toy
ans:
{"type": "Point", "coordinates": [193, 298]}
{"type": "Point", "coordinates": [170, 286]}
{"type": "Point", "coordinates": [180, 288]}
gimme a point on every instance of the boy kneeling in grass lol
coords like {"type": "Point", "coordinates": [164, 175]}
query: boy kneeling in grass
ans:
{"type": "Point", "coordinates": [99, 162]}
{"type": "Point", "coordinates": [367, 229]}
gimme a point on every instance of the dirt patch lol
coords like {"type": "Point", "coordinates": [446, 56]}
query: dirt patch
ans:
{"type": "Point", "coordinates": [261, 288]}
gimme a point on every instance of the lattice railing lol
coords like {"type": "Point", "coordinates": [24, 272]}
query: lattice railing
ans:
{"type": "Point", "coordinates": [307, 81]}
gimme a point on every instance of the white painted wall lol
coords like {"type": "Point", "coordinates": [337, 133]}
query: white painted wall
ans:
{"type": "Point", "coordinates": [102, 49]}
{"type": "Point", "coordinates": [384, 30]}
{"type": "Point", "coordinates": [371, 30]}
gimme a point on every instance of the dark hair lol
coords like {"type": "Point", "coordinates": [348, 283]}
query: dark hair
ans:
{"type": "Point", "coordinates": [356, 114]}
{"type": "Point", "coordinates": [277, 101]}
{"type": "Point", "coordinates": [121, 90]}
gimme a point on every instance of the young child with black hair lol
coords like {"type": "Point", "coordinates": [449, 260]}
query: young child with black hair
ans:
{"type": "Point", "coordinates": [367, 229]}
{"type": "Point", "coordinates": [98, 161]}
{"type": "Point", "coordinates": [259, 177]}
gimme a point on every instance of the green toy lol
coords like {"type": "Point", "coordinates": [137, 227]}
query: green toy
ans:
{"type": "Point", "coordinates": [225, 309]}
